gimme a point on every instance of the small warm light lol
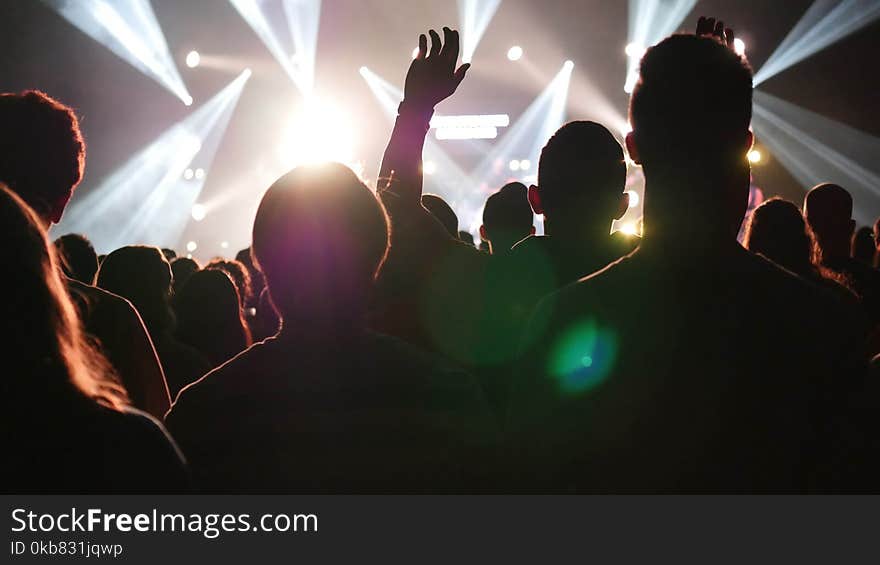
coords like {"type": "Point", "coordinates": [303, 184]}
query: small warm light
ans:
{"type": "Point", "coordinates": [629, 228]}
{"type": "Point", "coordinates": [514, 165]}
{"type": "Point", "coordinates": [515, 53]}
{"type": "Point", "coordinates": [755, 156]}
{"type": "Point", "coordinates": [739, 46]}
{"type": "Point", "coordinates": [200, 174]}
{"type": "Point", "coordinates": [429, 167]}
{"type": "Point", "coordinates": [199, 212]}
{"type": "Point", "coordinates": [634, 198]}
{"type": "Point", "coordinates": [188, 174]}
{"type": "Point", "coordinates": [525, 165]}
{"type": "Point", "coordinates": [191, 246]}
{"type": "Point", "coordinates": [193, 59]}
{"type": "Point", "coordinates": [415, 52]}
{"type": "Point", "coordinates": [224, 244]}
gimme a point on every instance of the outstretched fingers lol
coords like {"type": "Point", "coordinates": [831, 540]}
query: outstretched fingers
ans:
{"type": "Point", "coordinates": [435, 43]}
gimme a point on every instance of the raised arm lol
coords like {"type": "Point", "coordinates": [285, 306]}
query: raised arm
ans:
{"type": "Point", "coordinates": [432, 77]}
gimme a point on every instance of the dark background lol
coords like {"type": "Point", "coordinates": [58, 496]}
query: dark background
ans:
{"type": "Point", "coordinates": [122, 110]}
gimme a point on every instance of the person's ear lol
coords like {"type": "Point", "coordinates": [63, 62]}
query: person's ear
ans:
{"type": "Point", "coordinates": [622, 206]}
{"type": "Point", "coordinates": [532, 230]}
{"type": "Point", "coordinates": [483, 235]}
{"type": "Point", "coordinates": [632, 149]}
{"type": "Point", "coordinates": [535, 199]}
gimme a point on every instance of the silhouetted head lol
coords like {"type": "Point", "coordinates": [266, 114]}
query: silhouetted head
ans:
{"type": "Point", "coordinates": [777, 230]}
{"type": "Point", "coordinates": [42, 152]}
{"type": "Point", "coordinates": [320, 238]}
{"type": "Point", "coordinates": [862, 248]}
{"type": "Point", "coordinates": [169, 254]}
{"type": "Point", "coordinates": [507, 217]}
{"type": "Point", "coordinates": [690, 113]}
{"type": "Point", "coordinates": [209, 316]}
{"type": "Point", "coordinates": [828, 209]}
{"type": "Point", "coordinates": [443, 212]}
{"type": "Point", "coordinates": [239, 275]}
{"type": "Point", "coordinates": [143, 276]}
{"type": "Point", "coordinates": [257, 283]}
{"type": "Point", "coordinates": [55, 364]}
{"type": "Point", "coordinates": [466, 237]}
{"type": "Point", "coordinates": [78, 257]}
{"type": "Point", "coordinates": [581, 180]}
{"type": "Point", "coordinates": [182, 269]}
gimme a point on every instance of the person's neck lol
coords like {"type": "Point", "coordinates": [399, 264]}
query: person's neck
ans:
{"type": "Point", "coordinates": [579, 235]}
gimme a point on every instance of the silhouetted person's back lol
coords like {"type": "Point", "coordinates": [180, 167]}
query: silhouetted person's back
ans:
{"type": "Point", "coordinates": [863, 248]}
{"type": "Point", "coordinates": [443, 212]}
{"type": "Point", "coordinates": [182, 268]}
{"type": "Point", "coordinates": [142, 275]}
{"type": "Point", "coordinates": [692, 364]}
{"type": "Point", "coordinates": [327, 405]}
{"type": "Point", "coordinates": [66, 420]}
{"type": "Point", "coordinates": [42, 156]}
{"type": "Point", "coordinates": [828, 209]}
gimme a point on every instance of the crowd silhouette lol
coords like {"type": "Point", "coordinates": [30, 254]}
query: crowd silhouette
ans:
{"type": "Point", "coordinates": [363, 344]}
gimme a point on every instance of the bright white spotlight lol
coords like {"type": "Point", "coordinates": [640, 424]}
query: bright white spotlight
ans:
{"type": "Point", "coordinates": [525, 165]}
{"type": "Point", "coordinates": [635, 51]}
{"type": "Point", "coordinates": [191, 246]}
{"type": "Point", "coordinates": [633, 198]}
{"type": "Point", "coordinates": [754, 156]}
{"type": "Point", "coordinates": [299, 36]}
{"type": "Point", "coordinates": [826, 22]}
{"type": "Point", "coordinates": [131, 31]}
{"type": "Point", "coordinates": [429, 167]}
{"type": "Point", "coordinates": [187, 100]}
{"type": "Point", "coordinates": [149, 199]}
{"type": "Point", "coordinates": [200, 173]}
{"type": "Point", "coordinates": [188, 174]}
{"type": "Point", "coordinates": [193, 59]}
{"type": "Point", "coordinates": [568, 65]}
{"type": "Point", "coordinates": [319, 132]}
{"type": "Point", "coordinates": [514, 165]}
{"type": "Point", "coordinates": [199, 211]}
{"type": "Point", "coordinates": [739, 46]}
{"type": "Point", "coordinates": [224, 244]}
{"type": "Point", "coordinates": [632, 79]}
{"type": "Point", "coordinates": [515, 53]}
{"type": "Point", "coordinates": [474, 17]}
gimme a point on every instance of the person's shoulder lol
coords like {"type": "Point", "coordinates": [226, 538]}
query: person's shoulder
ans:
{"type": "Point", "coordinates": [104, 302]}
{"type": "Point", "coordinates": [235, 372]}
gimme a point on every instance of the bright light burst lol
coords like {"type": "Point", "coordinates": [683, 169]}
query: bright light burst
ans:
{"type": "Point", "coordinates": [319, 132]}
{"type": "Point", "coordinates": [130, 30]}
{"type": "Point", "coordinates": [474, 17]}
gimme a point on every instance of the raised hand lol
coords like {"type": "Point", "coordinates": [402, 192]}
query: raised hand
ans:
{"type": "Point", "coordinates": [709, 27]}
{"type": "Point", "coordinates": [432, 76]}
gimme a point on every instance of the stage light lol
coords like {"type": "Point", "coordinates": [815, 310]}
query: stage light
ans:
{"type": "Point", "coordinates": [474, 17]}
{"type": "Point", "coordinates": [187, 100]}
{"type": "Point", "coordinates": [193, 59]}
{"type": "Point", "coordinates": [302, 18]}
{"type": "Point", "coordinates": [429, 167]}
{"type": "Point", "coordinates": [199, 211]}
{"type": "Point", "coordinates": [650, 21]}
{"type": "Point", "coordinates": [525, 165]}
{"type": "Point", "coordinates": [739, 46]}
{"type": "Point", "coordinates": [513, 165]}
{"type": "Point", "coordinates": [149, 200]}
{"type": "Point", "coordinates": [754, 156]}
{"type": "Point", "coordinates": [823, 24]}
{"type": "Point", "coordinates": [131, 31]}
{"type": "Point", "coordinates": [817, 149]}
{"type": "Point", "coordinates": [515, 53]}
{"type": "Point", "coordinates": [634, 198]}
{"type": "Point", "coordinates": [200, 173]}
{"type": "Point", "coordinates": [319, 132]}
{"type": "Point", "coordinates": [191, 246]}
{"type": "Point", "coordinates": [224, 244]}
{"type": "Point", "coordinates": [635, 51]}
{"type": "Point", "coordinates": [629, 228]}
{"type": "Point", "coordinates": [568, 65]}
